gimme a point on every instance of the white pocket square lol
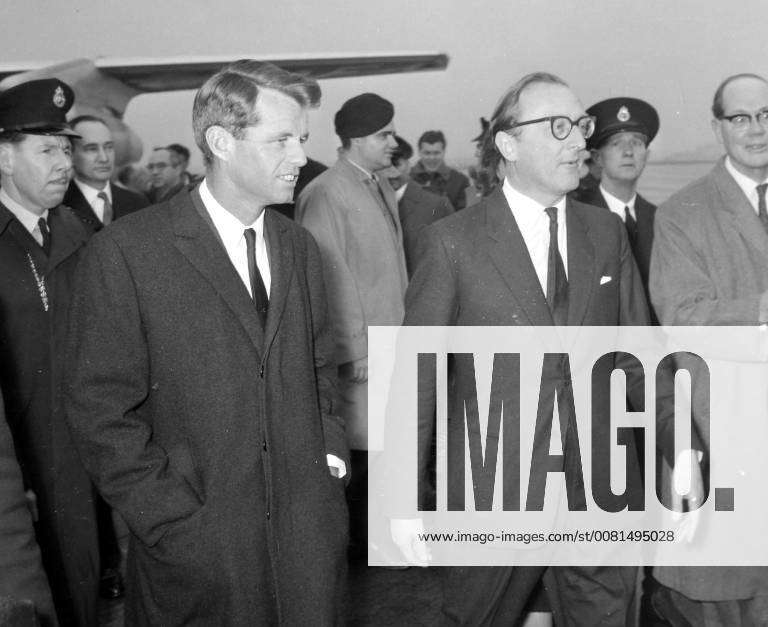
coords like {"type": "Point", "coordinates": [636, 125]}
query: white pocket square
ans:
{"type": "Point", "coordinates": [605, 279]}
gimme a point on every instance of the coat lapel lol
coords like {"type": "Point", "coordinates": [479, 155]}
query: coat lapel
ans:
{"type": "Point", "coordinates": [67, 236]}
{"type": "Point", "coordinates": [744, 219]}
{"type": "Point", "coordinates": [199, 243]}
{"type": "Point", "coordinates": [280, 245]}
{"type": "Point", "coordinates": [581, 265]}
{"type": "Point", "coordinates": [510, 256]}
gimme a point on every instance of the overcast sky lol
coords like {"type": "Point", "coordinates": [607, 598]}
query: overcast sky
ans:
{"type": "Point", "coordinates": [671, 53]}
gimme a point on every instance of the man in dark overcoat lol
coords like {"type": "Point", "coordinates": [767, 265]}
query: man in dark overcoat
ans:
{"type": "Point", "coordinates": [204, 410]}
{"type": "Point", "coordinates": [40, 242]}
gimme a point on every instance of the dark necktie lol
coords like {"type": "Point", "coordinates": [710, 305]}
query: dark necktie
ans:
{"type": "Point", "coordinates": [46, 233]}
{"type": "Point", "coordinates": [258, 291]}
{"type": "Point", "coordinates": [761, 211]}
{"type": "Point", "coordinates": [108, 213]}
{"type": "Point", "coordinates": [557, 282]}
{"type": "Point", "coordinates": [631, 225]}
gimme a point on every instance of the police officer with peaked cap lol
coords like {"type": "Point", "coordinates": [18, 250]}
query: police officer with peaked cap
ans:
{"type": "Point", "coordinates": [624, 128]}
{"type": "Point", "coordinates": [40, 242]}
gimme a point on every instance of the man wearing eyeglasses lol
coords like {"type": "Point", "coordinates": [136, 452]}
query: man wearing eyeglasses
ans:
{"type": "Point", "coordinates": [709, 266]}
{"type": "Point", "coordinates": [528, 255]}
{"type": "Point", "coordinates": [619, 146]}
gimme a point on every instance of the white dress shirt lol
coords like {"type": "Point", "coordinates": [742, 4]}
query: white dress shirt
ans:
{"type": "Point", "coordinates": [747, 185]}
{"type": "Point", "coordinates": [92, 196]}
{"type": "Point", "coordinates": [231, 231]}
{"type": "Point", "coordinates": [533, 221]}
{"type": "Point", "coordinates": [27, 218]}
{"type": "Point", "coordinates": [617, 206]}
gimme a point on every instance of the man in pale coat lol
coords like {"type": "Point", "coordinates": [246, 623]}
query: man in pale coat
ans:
{"type": "Point", "coordinates": [352, 213]}
{"type": "Point", "coordinates": [709, 266]}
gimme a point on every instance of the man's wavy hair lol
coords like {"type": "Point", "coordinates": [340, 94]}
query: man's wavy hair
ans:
{"type": "Point", "coordinates": [227, 99]}
{"type": "Point", "coordinates": [506, 114]}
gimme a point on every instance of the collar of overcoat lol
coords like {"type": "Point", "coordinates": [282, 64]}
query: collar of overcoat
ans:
{"type": "Point", "coordinates": [198, 240]}
{"type": "Point", "coordinates": [736, 205]}
{"type": "Point", "coordinates": [67, 236]}
{"type": "Point", "coordinates": [510, 256]}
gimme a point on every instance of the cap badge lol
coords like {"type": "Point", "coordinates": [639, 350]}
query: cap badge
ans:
{"type": "Point", "coordinates": [623, 115]}
{"type": "Point", "coordinates": [58, 98]}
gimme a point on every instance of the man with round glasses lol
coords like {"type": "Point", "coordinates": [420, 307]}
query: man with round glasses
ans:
{"type": "Point", "coordinates": [709, 266]}
{"type": "Point", "coordinates": [528, 255]}
{"type": "Point", "coordinates": [619, 146]}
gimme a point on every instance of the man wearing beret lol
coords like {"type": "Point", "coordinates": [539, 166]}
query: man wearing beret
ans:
{"type": "Point", "coordinates": [40, 243]}
{"type": "Point", "coordinates": [624, 129]}
{"type": "Point", "coordinates": [352, 212]}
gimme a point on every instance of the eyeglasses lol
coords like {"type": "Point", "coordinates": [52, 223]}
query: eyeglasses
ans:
{"type": "Point", "coordinates": [561, 125]}
{"type": "Point", "coordinates": [742, 121]}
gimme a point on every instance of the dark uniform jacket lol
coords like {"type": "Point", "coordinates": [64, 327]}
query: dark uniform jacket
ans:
{"type": "Point", "coordinates": [418, 209]}
{"type": "Point", "coordinates": [444, 181]}
{"type": "Point", "coordinates": [124, 201]}
{"type": "Point", "coordinates": [31, 347]}
{"type": "Point", "coordinates": [206, 432]}
{"type": "Point", "coordinates": [643, 243]}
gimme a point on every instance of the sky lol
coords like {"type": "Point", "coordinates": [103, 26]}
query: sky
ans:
{"type": "Point", "coordinates": [671, 53]}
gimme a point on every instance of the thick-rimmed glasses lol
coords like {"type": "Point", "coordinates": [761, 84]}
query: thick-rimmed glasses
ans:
{"type": "Point", "coordinates": [561, 125]}
{"type": "Point", "coordinates": [742, 121]}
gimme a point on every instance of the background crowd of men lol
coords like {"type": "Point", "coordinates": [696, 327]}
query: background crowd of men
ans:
{"type": "Point", "coordinates": [197, 371]}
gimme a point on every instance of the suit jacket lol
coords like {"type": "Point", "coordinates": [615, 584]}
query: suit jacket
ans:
{"type": "Point", "coordinates": [642, 245]}
{"type": "Point", "coordinates": [417, 210]}
{"type": "Point", "coordinates": [21, 573]}
{"type": "Point", "coordinates": [31, 359]}
{"type": "Point", "coordinates": [206, 432]}
{"type": "Point", "coordinates": [710, 267]}
{"type": "Point", "coordinates": [124, 202]}
{"type": "Point", "coordinates": [475, 270]}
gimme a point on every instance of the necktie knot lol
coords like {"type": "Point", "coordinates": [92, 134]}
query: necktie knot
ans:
{"type": "Point", "coordinates": [552, 214]}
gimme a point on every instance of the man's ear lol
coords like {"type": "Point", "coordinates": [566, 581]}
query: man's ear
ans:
{"type": "Point", "coordinates": [220, 141]}
{"type": "Point", "coordinates": [507, 145]}
{"type": "Point", "coordinates": [6, 158]}
{"type": "Point", "coordinates": [717, 129]}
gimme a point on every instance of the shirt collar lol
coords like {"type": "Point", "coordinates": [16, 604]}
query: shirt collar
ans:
{"type": "Point", "coordinates": [91, 193]}
{"type": "Point", "coordinates": [616, 205]}
{"type": "Point", "coordinates": [742, 180]}
{"type": "Point", "coordinates": [229, 227]}
{"type": "Point", "coordinates": [526, 210]}
{"type": "Point", "coordinates": [23, 215]}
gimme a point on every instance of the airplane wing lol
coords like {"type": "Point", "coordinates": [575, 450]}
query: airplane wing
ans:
{"type": "Point", "coordinates": [153, 75]}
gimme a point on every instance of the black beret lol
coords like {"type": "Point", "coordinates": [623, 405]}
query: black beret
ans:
{"type": "Point", "coordinates": [622, 114]}
{"type": "Point", "coordinates": [37, 107]}
{"type": "Point", "coordinates": [363, 115]}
